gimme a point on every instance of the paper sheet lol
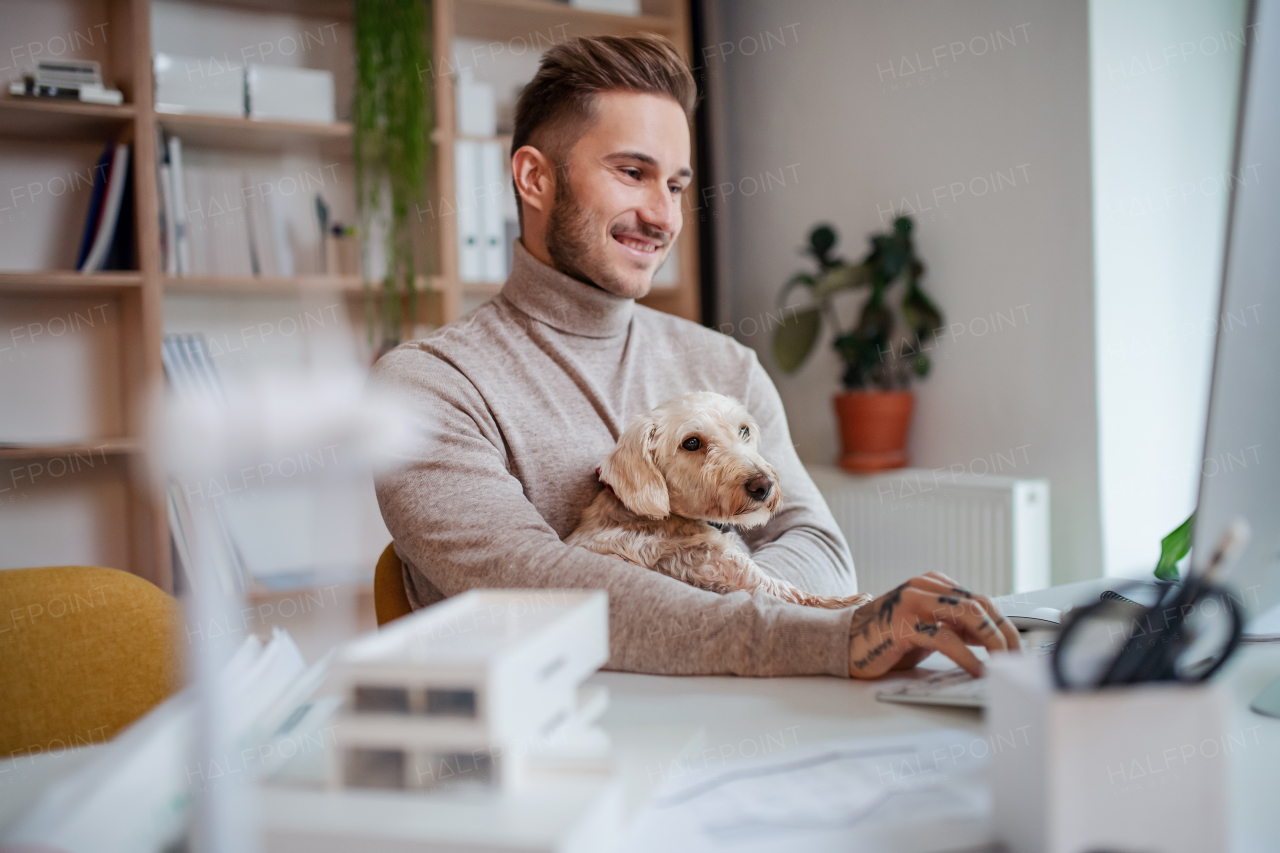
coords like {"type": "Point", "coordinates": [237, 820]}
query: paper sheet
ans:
{"type": "Point", "coordinates": [924, 792]}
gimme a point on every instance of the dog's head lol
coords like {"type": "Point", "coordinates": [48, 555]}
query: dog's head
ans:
{"type": "Point", "coordinates": [696, 456]}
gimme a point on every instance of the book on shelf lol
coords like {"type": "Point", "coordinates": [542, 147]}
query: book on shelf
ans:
{"type": "Point", "coordinates": [181, 246]}
{"type": "Point", "coordinates": [484, 211]}
{"type": "Point", "coordinates": [107, 240]}
{"type": "Point", "coordinates": [492, 231]}
{"type": "Point", "coordinates": [221, 221]}
{"type": "Point", "coordinates": [470, 241]}
{"type": "Point", "coordinates": [201, 523]}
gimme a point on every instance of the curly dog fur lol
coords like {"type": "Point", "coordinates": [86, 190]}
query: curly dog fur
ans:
{"type": "Point", "coordinates": [691, 461]}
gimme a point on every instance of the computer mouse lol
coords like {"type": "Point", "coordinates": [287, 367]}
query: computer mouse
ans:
{"type": "Point", "coordinates": [1040, 619]}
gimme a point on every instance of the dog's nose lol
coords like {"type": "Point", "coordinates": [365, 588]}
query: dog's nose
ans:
{"type": "Point", "coordinates": [758, 487]}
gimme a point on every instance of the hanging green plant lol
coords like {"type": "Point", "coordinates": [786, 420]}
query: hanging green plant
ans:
{"type": "Point", "coordinates": [393, 121]}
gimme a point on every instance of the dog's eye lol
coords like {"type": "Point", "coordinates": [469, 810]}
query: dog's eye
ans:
{"type": "Point", "coordinates": [745, 432]}
{"type": "Point", "coordinates": [691, 443]}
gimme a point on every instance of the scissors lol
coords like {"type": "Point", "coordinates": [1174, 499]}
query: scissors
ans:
{"type": "Point", "coordinates": [1183, 632]}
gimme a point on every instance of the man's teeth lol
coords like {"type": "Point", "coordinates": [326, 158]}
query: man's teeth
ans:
{"type": "Point", "coordinates": [636, 244]}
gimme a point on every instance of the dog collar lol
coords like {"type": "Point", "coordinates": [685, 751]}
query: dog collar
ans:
{"type": "Point", "coordinates": [718, 525]}
{"type": "Point", "coordinates": [606, 485]}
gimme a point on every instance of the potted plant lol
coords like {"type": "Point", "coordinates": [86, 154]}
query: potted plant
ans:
{"type": "Point", "coordinates": [392, 142]}
{"type": "Point", "coordinates": [874, 411]}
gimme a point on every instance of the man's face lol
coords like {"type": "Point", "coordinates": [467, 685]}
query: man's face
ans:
{"type": "Point", "coordinates": [617, 205]}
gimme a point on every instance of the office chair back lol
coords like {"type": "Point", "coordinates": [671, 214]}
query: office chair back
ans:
{"type": "Point", "coordinates": [84, 651]}
{"type": "Point", "coordinates": [389, 598]}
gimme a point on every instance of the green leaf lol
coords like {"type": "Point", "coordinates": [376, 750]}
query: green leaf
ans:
{"type": "Point", "coordinates": [1173, 548]}
{"type": "Point", "coordinates": [794, 339]}
{"type": "Point", "coordinates": [822, 240]}
{"type": "Point", "coordinates": [842, 277]}
{"type": "Point", "coordinates": [794, 282]}
{"type": "Point", "coordinates": [922, 316]}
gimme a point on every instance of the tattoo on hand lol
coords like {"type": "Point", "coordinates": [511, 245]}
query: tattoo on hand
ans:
{"type": "Point", "coordinates": [926, 628]}
{"type": "Point", "coordinates": [876, 652]}
{"type": "Point", "coordinates": [865, 617]}
{"type": "Point", "coordinates": [985, 626]}
{"type": "Point", "coordinates": [959, 590]}
{"type": "Point", "coordinates": [948, 599]}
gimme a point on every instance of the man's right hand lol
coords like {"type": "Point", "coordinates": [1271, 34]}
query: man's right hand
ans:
{"type": "Point", "coordinates": [930, 613]}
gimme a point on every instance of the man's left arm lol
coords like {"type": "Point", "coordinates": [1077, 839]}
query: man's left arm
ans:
{"type": "Point", "coordinates": [801, 543]}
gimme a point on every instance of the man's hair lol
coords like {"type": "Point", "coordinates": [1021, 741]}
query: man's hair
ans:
{"type": "Point", "coordinates": [561, 97]}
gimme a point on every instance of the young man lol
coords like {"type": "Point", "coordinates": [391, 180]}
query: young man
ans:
{"type": "Point", "coordinates": [519, 401]}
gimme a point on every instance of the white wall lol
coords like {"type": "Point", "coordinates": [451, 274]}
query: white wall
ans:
{"type": "Point", "coordinates": [838, 106]}
{"type": "Point", "coordinates": [1164, 77]}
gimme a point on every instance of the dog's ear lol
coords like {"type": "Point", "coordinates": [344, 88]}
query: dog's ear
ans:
{"type": "Point", "coordinates": [632, 471]}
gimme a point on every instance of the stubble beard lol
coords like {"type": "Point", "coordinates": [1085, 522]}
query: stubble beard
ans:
{"type": "Point", "coordinates": [571, 230]}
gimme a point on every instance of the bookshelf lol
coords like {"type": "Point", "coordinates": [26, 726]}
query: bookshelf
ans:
{"type": "Point", "coordinates": [123, 504]}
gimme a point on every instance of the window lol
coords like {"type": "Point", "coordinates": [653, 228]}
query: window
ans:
{"type": "Point", "coordinates": [451, 703]}
{"type": "Point", "coordinates": [374, 768]}
{"type": "Point", "coordinates": [381, 700]}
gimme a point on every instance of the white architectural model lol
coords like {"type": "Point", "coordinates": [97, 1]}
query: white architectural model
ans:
{"type": "Point", "coordinates": [473, 692]}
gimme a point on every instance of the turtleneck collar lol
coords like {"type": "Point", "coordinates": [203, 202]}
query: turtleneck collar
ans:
{"type": "Point", "coordinates": [564, 303]}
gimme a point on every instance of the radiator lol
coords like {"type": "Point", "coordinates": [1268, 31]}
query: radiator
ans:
{"type": "Point", "coordinates": [989, 533]}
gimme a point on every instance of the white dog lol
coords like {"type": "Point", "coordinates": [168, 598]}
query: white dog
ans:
{"type": "Point", "coordinates": [688, 463]}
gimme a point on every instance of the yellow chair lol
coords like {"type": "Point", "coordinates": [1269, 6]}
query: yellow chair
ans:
{"type": "Point", "coordinates": [389, 598]}
{"type": "Point", "coordinates": [84, 651]}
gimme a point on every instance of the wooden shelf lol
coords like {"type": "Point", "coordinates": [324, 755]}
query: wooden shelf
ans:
{"type": "Point", "coordinates": [342, 10]}
{"type": "Point", "coordinates": [68, 282]}
{"type": "Point", "coordinates": [61, 120]}
{"type": "Point", "coordinates": [281, 285]}
{"type": "Point", "coordinates": [248, 135]}
{"type": "Point", "coordinates": [548, 21]}
{"type": "Point", "coordinates": [102, 447]}
{"type": "Point", "coordinates": [263, 285]}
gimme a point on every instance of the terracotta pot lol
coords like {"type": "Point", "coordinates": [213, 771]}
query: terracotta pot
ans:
{"type": "Point", "coordinates": [873, 429]}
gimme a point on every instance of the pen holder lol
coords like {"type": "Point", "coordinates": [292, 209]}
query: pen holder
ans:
{"type": "Point", "coordinates": [1134, 768]}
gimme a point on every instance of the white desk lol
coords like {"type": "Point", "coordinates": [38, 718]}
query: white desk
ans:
{"type": "Point", "coordinates": [741, 717]}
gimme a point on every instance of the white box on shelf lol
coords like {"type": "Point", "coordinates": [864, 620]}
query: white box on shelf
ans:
{"type": "Point", "coordinates": [989, 532]}
{"type": "Point", "coordinates": [613, 7]}
{"type": "Point", "coordinates": [1142, 767]}
{"type": "Point", "coordinates": [188, 84]}
{"type": "Point", "coordinates": [276, 93]}
{"type": "Point", "coordinates": [477, 108]}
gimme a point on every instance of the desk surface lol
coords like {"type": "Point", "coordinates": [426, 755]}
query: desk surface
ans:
{"type": "Point", "coordinates": [727, 718]}
{"type": "Point", "coordinates": [742, 717]}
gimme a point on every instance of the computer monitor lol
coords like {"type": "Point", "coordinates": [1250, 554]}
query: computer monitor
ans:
{"type": "Point", "coordinates": [1240, 476]}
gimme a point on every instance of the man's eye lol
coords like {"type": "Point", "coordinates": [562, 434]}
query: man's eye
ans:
{"type": "Point", "coordinates": [676, 189]}
{"type": "Point", "coordinates": [691, 443]}
{"type": "Point", "coordinates": [634, 174]}
{"type": "Point", "coordinates": [745, 432]}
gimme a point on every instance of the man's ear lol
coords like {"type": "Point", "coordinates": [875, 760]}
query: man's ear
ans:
{"type": "Point", "coordinates": [534, 177]}
{"type": "Point", "coordinates": [632, 471]}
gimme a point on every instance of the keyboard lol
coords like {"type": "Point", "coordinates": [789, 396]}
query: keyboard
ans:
{"type": "Point", "coordinates": [953, 687]}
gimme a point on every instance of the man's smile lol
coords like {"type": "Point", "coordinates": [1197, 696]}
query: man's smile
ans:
{"type": "Point", "coordinates": [636, 243]}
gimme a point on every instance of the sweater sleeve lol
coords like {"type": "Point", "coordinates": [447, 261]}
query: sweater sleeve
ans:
{"type": "Point", "coordinates": [460, 521]}
{"type": "Point", "coordinates": [801, 543]}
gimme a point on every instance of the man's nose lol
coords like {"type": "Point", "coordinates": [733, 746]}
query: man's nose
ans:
{"type": "Point", "coordinates": [759, 486]}
{"type": "Point", "coordinates": [662, 211]}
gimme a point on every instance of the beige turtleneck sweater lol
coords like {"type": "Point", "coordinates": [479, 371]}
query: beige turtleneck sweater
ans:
{"type": "Point", "coordinates": [515, 406]}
